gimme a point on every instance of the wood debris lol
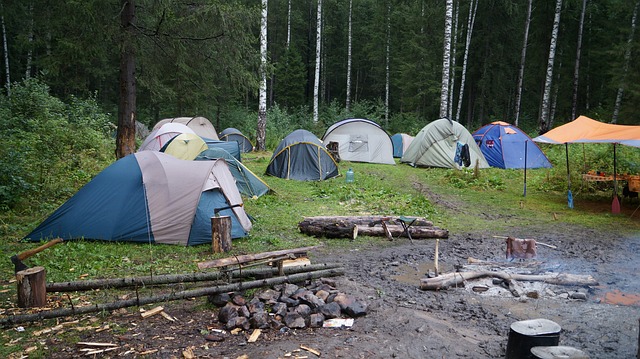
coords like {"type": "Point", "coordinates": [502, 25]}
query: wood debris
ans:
{"type": "Point", "coordinates": [254, 336]}
{"type": "Point", "coordinates": [310, 350]}
{"type": "Point", "coordinates": [167, 316]}
{"type": "Point", "coordinates": [151, 312]}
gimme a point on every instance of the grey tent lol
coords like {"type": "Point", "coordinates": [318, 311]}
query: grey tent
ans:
{"type": "Point", "coordinates": [302, 156]}
{"type": "Point", "coordinates": [247, 182]}
{"type": "Point", "coordinates": [233, 134]}
{"type": "Point", "coordinates": [360, 140]}
{"type": "Point", "coordinates": [440, 143]}
{"type": "Point", "coordinates": [200, 125]}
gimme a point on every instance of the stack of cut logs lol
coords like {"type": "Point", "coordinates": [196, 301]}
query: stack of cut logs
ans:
{"type": "Point", "coordinates": [352, 226]}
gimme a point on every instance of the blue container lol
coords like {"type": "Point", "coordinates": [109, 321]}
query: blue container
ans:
{"type": "Point", "coordinates": [350, 176]}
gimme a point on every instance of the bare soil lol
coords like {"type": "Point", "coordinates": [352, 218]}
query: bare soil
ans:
{"type": "Point", "coordinates": [406, 322]}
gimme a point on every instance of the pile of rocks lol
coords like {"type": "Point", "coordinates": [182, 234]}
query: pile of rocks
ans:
{"type": "Point", "coordinates": [287, 305]}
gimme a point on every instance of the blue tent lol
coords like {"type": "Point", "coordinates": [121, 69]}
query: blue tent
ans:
{"type": "Point", "coordinates": [301, 156]}
{"type": "Point", "coordinates": [401, 142]}
{"type": "Point", "coordinates": [233, 134]}
{"type": "Point", "coordinates": [503, 145]}
{"type": "Point", "coordinates": [150, 197]}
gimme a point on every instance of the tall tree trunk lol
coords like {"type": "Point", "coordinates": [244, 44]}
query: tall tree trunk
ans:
{"type": "Point", "coordinates": [554, 99]}
{"type": "Point", "coordinates": [262, 106]}
{"type": "Point", "coordinates": [289, 24]}
{"type": "Point", "coordinates": [546, 97]}
{"type": "Point", "coordinates": [576, 69]}
{"type": "Point", "coordinates": [523, 58]}
{"type": "Point", "coordinates": [453, 62]}
{"type": "Point", "coordinates": [126, 136]}
{"type": "Point", "coordinates": [473, 7]}
{"type": "Point", "coordinates": [5, 48]}
{"type": "Point", "coordinates": [27, 73]}
{"type": "Point", "coordinates": [625, 70]}
{"type": "Point", "coordinates": [349, 40]}
{"type": "Point", "coordinates": [316, 80]}
{"type": "Point", "coordinates": [446, 59]}
{"type": "Point", "coordinates": [387, 52]}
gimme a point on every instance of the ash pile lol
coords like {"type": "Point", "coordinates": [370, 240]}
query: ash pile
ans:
{"type": "Point", "coordinates": [314, 305]}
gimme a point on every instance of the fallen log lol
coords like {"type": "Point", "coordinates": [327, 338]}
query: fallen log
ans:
{"type": "Point", "coordinates": [458, 278]}
{"type": "Point", "coordinates": [330, 229]}
{"type": "Point", "coordinates": [398, 231]}
{"type": "Point", "coordinates": [363, 220]}
{"type": "Point", "coordinates": [474, 261]}
{"type": "Point", "coordinates": [245, 258]}
{"type": "Point", "coordinates": [235, 287]}
{"type": "Point", "coordinates": [180, 278]}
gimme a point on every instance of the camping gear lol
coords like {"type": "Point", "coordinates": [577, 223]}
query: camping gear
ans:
{"type": "Point", "coordinates": [232, 134]}
{"type": "Point", "coordinates": [349, 176]}
{"type": "Point", "coordinates": [149, 197]}
{"type": "Point", "coordinates": [17, 259]}
{"type": "Point", "coordinates": [301, 156]}
{"type": "Point", "coordinates": [200, 125]}
{"type": "Point", "coordinates": [185, 146]}
{"type": "Point", "coordinates": [247, 182]}
{"type": "Point", "coordinates": [436, 145]}
{"type": "Point", "coordinates": [527, 334]}
{"type": "Point", "coordinates": [615, 205]}
{"type": "Point", "coordinates": [361, 140]}
{"type": "Point", "coordinates": [160, 136]}
{"type": "Point", "coordinates": [401, 142]}
{"type": "Point", "coordinates": [569, 194]}
{"type": "Point", "coordinates": [506, 146]}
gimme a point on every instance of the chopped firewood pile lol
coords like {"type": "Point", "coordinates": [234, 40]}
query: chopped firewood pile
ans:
{"type": "Point", "coordinates": [375, 226]}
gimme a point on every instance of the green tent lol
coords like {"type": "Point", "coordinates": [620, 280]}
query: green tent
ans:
{"type": "Point", "coordinates": [247, 182]}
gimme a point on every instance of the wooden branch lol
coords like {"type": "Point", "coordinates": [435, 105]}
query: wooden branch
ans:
{"type": "Point", "coordinates": [540, 243]}
{"type": "Point", "coordinates": [397, 231]}
{"type": "Point", "coordinates": [364, 220]}
{"type": "Point", "coordinates": [251, 257]}
{"type": "Point", "coordinates": [475, 261]}
{"type": "Point", "coordinates": [180, 278]}
{"type": "Point", "coordinates": [458, 278]}
{"type": "Point", "coordinates": [235, 287]}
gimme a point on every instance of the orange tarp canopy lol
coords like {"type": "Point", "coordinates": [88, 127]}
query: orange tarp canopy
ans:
{"type": "Point", "coordinates": [586, 130]}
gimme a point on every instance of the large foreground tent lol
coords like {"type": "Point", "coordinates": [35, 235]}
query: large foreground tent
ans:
{"type": "Point", "coordinates": [233, 134]}
{"type": "Point", "coordinates": [302, 156]}
{"type": "Point", "coordinates": [506, 146]}
{"type": "Point", "coordinates": [360, 140]}
{"type": "Point", "coordinates": [200, 125]}
{"type": "Point", "coordinates": [401, 142]}
{"type": "Point", "coordinates": [440, 143]}
{"type": "Point", "coordinates": [248, 183]}
{"type": "Point", "coordinates": [150, 197]}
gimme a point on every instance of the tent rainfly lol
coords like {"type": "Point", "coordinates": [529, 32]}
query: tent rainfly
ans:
{"type": "Point", "coordinates": [150, 197]}
{"type": "Point", "coordinates": [200, 125]}
{"type": "Point", "coordinates": [301, 156]}
{"type": "Point", "coordinates": [248, 183]}
{"type": "Point", "coordinates": [360, 140]}
{"type": "Point", "coordinates": [401, 142]}
{"type": "Point", "coordinates": [185, 146]}
{"type": "Point", "coordinates": [160, 136]}
{"type": "Point", "coordinates": [232, 134]}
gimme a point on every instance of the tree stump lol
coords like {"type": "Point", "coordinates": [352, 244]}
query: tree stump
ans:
{"type": "Point", "coordinates": [221, 234]}
{"type": "Point", "coordinates": [32, 292]}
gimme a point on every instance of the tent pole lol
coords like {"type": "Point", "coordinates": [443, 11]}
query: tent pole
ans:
{"type": "Point", "coordinates": [615, 204]}
{"type": "Point", "coordinates": [524, 194]}
{"type": "Point", "coordinates": [569, 194]}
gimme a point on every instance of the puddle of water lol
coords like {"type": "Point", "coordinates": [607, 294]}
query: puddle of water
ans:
{"type": "Point", "coordinates": [621, 298]}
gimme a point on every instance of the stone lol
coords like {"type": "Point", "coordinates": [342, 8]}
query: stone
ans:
{"type": "Point", "coordinates": [344, 300]}
{"type": "Point", "coordinates": [259, 320]}
{"type": "Point", "coordinates": [228, 312]}
{"type": "Point", "coordinates": [279, 309]}
{"type": "Point", "coordinates": [244, 312]}
{"type": "Point", "coordinates": [288, 290]}
{"type": "Point", "coordinates": [219, 300]}
{"type": "Point", "coordinates": [214, 338]}
{"type": "Point", "coordinates": [356, 309]}
{"type": "Point", "coordinates": [294, 321]}
{"type": "Point", "coordinates": [328, 281]}
{"type": "Point", "coordinates": [316, 320]}
{"type": "Point", "coordinates": [268, 295]}
{"type": "Point", "coordinates": [238, 322]}
{"type": "Point", "coordinates": [300, 293]}
{"type": "Point", "coordinates": [289, 302]}
{"type": "Point", "coordinates": [238, 300]}
{"type": "Point", "coordinates": [330, 310]}
{"type": "Point", "coordinates": [255, 306]}
{"type": "Point", "coordinates": [312, 300]}
{"type": "Point", "coordinates": [275, 324]}
{"type": "Point", "coordinates": [303, 309]}
{"type": "Point", "coordinates": [322, 294]}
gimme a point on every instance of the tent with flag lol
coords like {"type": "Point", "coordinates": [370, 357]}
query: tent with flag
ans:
{"type": "Point", "coordinates": [506, 146]}
{"type": "Point", "coordinates": [150, 197]}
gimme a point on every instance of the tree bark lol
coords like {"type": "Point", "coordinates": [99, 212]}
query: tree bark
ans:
{"type": "Point", "coordinates": [454, 49]}
{"type": "Point", "coordinates": [330, 230]}
{"type": "Point", "coordinates": [295, 278]}
{"type": "Point", "coordinates": [126, 135]}
{"type": "Point", "coordinates": [446, 59]}
{"type": "Point", "coordinates": [262, 106]}
{"type": "Point", "coordinates": [288, 24]}
{"type": "Point", "coordinates": [180, 278]}
{"type": "Point", "coordinates": [546, 97]}
{"type": "Point", "coordinates": [523, 58]}
{"type": "Point", "coordinates": [221, 234]}
{"type": "Point", "coordinates": [398, 231]}
{"type": "Point", "coordinates": [251, 257]}
{"type": "Point", "coordinates": [625, 69]}
{"type": "Point", "coordinates": [316, 80]}
{"type": "Point", "coordinates": [576, 69]}
{"type": "Point", "coordinates": [458, 278]}
{"type": "Point", "coordinates": [349, 41]}
{"type": "Point", "coordinates": [473, 6]}
{"type": "Point", "coordinates": [387, 66]}
{"type": "Point", "coordinates": [5, 47]}
{"type": "Point", "coordinates": [32, 291]}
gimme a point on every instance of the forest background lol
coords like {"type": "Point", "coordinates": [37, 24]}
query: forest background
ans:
{"type": "Point", "coordinates": [383, 60]}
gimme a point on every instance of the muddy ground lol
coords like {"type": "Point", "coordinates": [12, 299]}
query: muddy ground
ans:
{"type": "Point", "coordinates": [404, 321]}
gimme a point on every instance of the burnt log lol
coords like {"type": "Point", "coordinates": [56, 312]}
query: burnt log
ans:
{"type": "Point", "coordinates": [329, 229]}
{"type": "Point", "coordinates": [458, 278]}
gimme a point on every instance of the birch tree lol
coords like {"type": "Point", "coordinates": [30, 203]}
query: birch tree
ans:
{"type": "Point", "coordinates": [316, 80]}
{"type": "Point", "coordinates": [473, 6]}
{"type": "Point", "coordinates": [126, 135]}
{"type": "Point", "coordinates": [349, 40]}
{"type": "Point", "coordinates": [625, 69]}
{"type": "Point", "coordinates": [262, 106]}
{"type": "Point", "coordinates": [289, 24]}
{"type": "Point", "coordinates": [5, 47]}
{"type": "Point", "coordinates": [387, 56]}
{"type": "Point", "coordinates": [446, 59]}
{"type": "Point", "coordinates": [576, 69]}
{"type": "Point", "coordinates": [546, 97]}
{"type": "Point", "coordinates": [453, 62]}
{"type": "Point", "coordinates": [523, 58]}
{"type": "Point", "coordinates": [30, 30]}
